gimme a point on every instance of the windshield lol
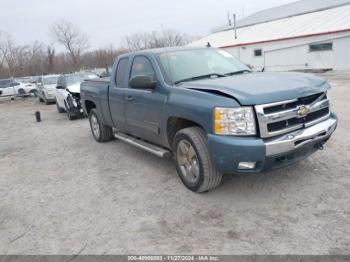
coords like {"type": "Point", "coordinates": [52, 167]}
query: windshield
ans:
{"type": "Point", "coordinates": [52, 80]}
{"type": "Point", "coordinates": [186, 64]}
{"type": "Point", "coordinates": [78, 78]}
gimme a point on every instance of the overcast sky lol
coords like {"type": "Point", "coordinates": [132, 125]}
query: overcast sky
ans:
{"type": "Point", "coordinates": [107, 22]}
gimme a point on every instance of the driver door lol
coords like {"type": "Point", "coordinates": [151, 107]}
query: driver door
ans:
{"type": "Point", "coordinates": [144, 107]}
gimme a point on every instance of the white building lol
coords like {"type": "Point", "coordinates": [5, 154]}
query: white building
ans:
{"type": "Point", "coordinates": [304, 35]}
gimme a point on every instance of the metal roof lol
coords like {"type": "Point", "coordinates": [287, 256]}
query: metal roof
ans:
{"type": "Point", "coordinates": [291, 9]}
{"type": "Point", "coordinates": [334, 20]}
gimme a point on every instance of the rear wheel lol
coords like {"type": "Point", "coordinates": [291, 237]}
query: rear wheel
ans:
{"type": "Point", "coordinates": [101, 133]}
{"type": "Point", "coordinates": [21, 92]}
{"type": "Point", "coordinates": [193, 161]}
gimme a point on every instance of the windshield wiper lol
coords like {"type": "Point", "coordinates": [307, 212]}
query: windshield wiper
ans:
{"type": "Point", "coordinates": [199, 77]}
{"type": "Point", "coordinates": [238, 72]}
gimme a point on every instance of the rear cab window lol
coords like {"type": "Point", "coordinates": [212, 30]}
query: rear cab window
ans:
{"type": "Point", "coordinates": [121, 72]}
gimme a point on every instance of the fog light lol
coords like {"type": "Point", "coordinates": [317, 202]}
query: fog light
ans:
{"type": "Point", "coordinates": [246, 165]}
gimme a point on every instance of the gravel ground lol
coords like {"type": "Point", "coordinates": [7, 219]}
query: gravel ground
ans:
{"type": "Point", "coordinates": [63, 193]}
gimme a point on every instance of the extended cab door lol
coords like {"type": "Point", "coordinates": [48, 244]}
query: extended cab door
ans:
{"type": "Point", "coordinates": [116, 94]}
{"type": "Point", "coordinates": [143, 107]}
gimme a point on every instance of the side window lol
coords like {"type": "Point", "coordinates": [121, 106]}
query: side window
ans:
{"type": "Point", "coordinates": [121, 71]}
{"type": "Point", "coordinates": [141, 66]}
{"type": "Point", "coordinates": [321, 47]}
{"type": "Point", "coordinates": [258, 52]}
{"type": "Point", "coordinates": [13, 84]}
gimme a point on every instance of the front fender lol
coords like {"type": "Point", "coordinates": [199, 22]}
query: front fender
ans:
{"type": "Point", "coordinates": [196, 106]}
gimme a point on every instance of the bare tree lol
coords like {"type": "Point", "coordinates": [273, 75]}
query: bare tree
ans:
{"type": "Point", "coordinates": [154, 39]}
{"type": "Point", "coordinates": [71, 37]}
{"type": "Point", "coordinates": [3, 52]}
{"type": "Point", "coordinates": [50, 52]}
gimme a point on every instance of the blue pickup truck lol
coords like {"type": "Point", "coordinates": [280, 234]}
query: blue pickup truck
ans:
{"type": "Point", "coordinates": [209, 111]}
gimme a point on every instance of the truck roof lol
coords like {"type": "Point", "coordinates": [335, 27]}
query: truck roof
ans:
{"type": "Point", "coordinates": [167, 49]}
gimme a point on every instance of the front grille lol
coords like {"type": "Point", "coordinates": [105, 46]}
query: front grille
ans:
{"type": "Point", "coordinates": [301, 101]}
{"type": "Point", "coordinates": [286, 116]}
{"type": "Point", "coordinates": [273, 127]}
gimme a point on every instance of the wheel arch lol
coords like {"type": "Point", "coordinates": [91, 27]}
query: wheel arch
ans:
{"type": "Point", "coordinates": [175, 124]}
{"type": "Point", "coordinates": [89, 105]}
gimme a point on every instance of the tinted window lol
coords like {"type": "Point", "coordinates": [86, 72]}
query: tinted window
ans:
{"type": "Point", "coordinates": [121, 70]}
{"type": "Point", "coordinates": [141, 66]}
{"type": "Point", "coordinates": [59, 81]}
{"type": "Point", "coordinates": [321, 47]}
{"type": "Point", "coordinates": [49, 80]}
{"type": "Point", "coordinates": [14, 84]}
{"type": "Point", "coordinates": [75, 78]}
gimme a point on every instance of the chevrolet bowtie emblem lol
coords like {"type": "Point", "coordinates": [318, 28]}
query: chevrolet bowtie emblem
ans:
{"type": "Point", "coordinates": [303, 110]}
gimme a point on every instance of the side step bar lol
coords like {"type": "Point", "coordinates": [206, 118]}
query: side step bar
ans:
{"type": "Point", "coordinates": [151, 148]}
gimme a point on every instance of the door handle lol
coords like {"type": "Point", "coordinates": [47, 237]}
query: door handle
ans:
{"type": "Point", "coordinates": [129, 98]}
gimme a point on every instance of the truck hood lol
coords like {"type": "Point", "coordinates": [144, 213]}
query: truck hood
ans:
{"type": "Point", "coordinates": [74, 88]}
{"type": "Point", "coordinates": [262, 88]}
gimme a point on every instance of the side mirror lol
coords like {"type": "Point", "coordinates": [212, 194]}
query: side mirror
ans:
{"type": "Point", "coordinates": [59, 87]}
{"type": "Point", "coordinates": [142, 82]}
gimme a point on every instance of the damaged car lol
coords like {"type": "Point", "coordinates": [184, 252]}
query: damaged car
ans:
{"type": "Point", "coordinates": [68, 94]}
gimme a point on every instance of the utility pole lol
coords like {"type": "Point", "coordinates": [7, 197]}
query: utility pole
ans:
{"type": "Point", "coordinates": [229, 18]}
{"type": "Point", "coordinates": [234, 25]}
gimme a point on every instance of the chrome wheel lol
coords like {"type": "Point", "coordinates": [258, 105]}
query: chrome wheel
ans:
{"type": "Point", "coordinates": [95, 126]}
{"type": "Point", "coordinates": [188, 161]}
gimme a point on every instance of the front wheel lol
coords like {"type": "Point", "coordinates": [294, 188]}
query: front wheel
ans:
{"type": "Point", "coordinates": [45, 100]}
{"type": "Point", "coordinates": [100, 132]}
{"type": "Point", "coordinates": [70, 115]}
{"type": "Point", "coordinates": [193, 161]}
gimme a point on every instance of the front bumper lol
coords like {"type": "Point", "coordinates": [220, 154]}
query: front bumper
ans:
{"type": "Point", "coordinates": [50, 96]}
{"type": "Point", "coordinates": [227, 151]}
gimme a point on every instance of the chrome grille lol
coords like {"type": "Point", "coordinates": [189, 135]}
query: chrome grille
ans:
{"type": "Point", "coordinates": [286, 116]}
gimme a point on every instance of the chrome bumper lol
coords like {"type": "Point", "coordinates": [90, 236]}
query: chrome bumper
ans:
{"type": "Point", "coordinates": [297, 139]}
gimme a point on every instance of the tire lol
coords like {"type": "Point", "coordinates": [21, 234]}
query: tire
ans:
{"type": "Point", "coordinates": [34, 92]}
{"type": "Point", "coordinates": [100, 132]}
{"type": "Point", "coordinates": [59, 109]}
{"type": "Point", "coordinates": [46, 101]}
{"type": "Point", "coordinates": [21, 92]}
{"type": "Point", "coordinates": [41, 100]}
{"type": "Point", "coordinates": [69, 113]}
{"type": "Point", "coordinates": [194, 166]}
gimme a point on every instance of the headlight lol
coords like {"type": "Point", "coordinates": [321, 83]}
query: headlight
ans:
{"type": "Point", "coordinates": [234, 121]}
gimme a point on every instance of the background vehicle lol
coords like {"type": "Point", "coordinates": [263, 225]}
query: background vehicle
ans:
{"type": "Point", "coordinates": [68, 94]}
{"type": "Point", "coordinates": [6, 90]}
{"type": "Point", "coordinates": [210, 111]}
{"type": "Point", "coordinates": [13, 87]}
{"type": "Point", "coordinates": [46, 86]}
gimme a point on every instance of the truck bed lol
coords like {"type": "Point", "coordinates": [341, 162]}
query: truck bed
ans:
{"type": "Point", "coordinates": [96, 90]}
{"type": "Point", "coordinates": [99, 80]}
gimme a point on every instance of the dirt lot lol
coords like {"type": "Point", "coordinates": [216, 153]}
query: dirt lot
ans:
{"type": "Point", "coordinates": [63, 193]}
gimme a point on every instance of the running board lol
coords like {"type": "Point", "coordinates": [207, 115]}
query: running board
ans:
{"type": "Point", "coordinates": [151, 148]}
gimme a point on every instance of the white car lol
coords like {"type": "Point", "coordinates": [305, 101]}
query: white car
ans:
{"type": "Point", "coordinates": [46, 86]}
{"type": "Point", "coordinates": [68, 94]}
{"type": "Point", "coordinates": [17, 88]}
{"type": "Point", "coordinates": [6, 89]}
